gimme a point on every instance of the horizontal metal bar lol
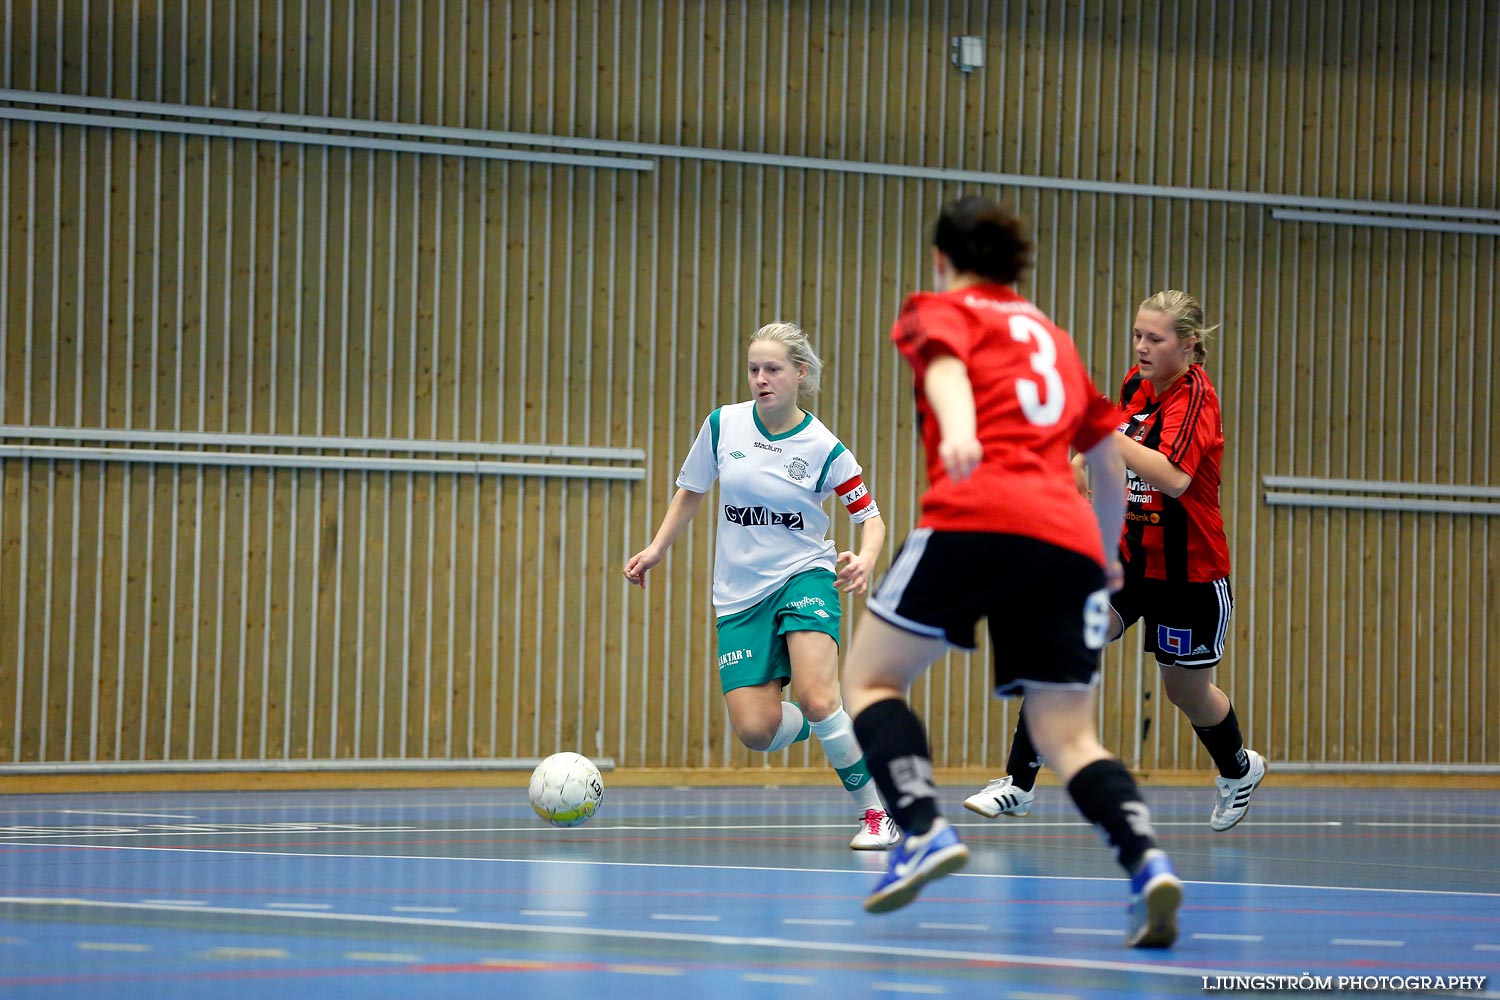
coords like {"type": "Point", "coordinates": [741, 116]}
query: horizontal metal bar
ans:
{"type": "Point", "coordinates": [1378, 486]}
{"type": "Point", "coordinates": [1384, 222]}
{"type": "Point", "coordinates": [343, 463]}
{"type": "Point", "coordinates": [1330, 500]}
{"type": "Point", "coordinates": [33, 432]}
{"type": "Point", "coordinates": [211, 766]}
{"type": "Point", "coordinates": [1380, 767]}
{"type": "Point", "coordinates": [735, 156]}
{"type": "Point", "coordinates": [322, 139]}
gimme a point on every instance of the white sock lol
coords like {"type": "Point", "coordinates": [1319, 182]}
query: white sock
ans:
{"type": "Point", "coordinates": [836, 733]}
{"type": "Point", "coordinates": [792, 722]}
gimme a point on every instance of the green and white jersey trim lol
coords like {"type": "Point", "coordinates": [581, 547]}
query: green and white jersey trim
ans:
{"type": "Point", "coordinates": [771, 521]}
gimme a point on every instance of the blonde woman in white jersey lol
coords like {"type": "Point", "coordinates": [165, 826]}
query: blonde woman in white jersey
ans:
{"type": "Point", "coordinates": [776, 574]}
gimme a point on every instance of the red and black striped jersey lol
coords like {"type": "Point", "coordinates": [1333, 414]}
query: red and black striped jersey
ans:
{"type": "Point", "coordinates": [1176, 539]}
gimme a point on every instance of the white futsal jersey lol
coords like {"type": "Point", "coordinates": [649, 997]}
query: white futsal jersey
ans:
{"type": "Point", "coordinates": [772, 487]}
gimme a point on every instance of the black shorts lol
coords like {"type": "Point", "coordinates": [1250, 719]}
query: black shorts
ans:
{"type": "Point", "coordinates": [1186, 623]}
{"type": "Point", "coordinates": [1047, 606]}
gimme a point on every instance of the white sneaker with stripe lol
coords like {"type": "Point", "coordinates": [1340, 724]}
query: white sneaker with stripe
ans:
{"type": "Point", "coordinates": [1232, 795]}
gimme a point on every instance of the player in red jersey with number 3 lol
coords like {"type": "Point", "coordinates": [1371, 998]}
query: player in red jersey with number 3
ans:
{"type": "Point", "coordinates": [1003, 535]}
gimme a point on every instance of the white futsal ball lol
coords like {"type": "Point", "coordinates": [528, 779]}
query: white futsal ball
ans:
{"type": "Point", "coordinates": [566, 789]}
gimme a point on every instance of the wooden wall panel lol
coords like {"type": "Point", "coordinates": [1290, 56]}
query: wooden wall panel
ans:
{"type": "Point", "coordinates": [207, 283]}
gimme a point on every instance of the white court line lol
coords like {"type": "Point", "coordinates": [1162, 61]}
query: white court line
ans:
{"type": "Point", "coordinates": [924, 989]}
{"type": "Point", "coordinates": [1477, 826]}
{"type": "Point", "coordinates": [405, 958]}
{"type": "Point", "coordinates": [1144, 967]}
{"type": "Point", "coordinates": [1230, 937]}
{"type": "Point", "coordinates": [764, 977]}
{"type": "Point", "coordinates": [647, 970]}
{"type": "Point", "coordinates": [1099, 931]}
{"type": "Point", "coordinates": [197, 830]}
{"type": "Point", "coordinates": [164, 830]}
{"type": "Point", "coordinates": [1487, 947]}
{"type": "Point", "coordinates": [425, 909]}
{"type": "Point", "coordinates": [702, 918]}
{"type": "Point", "coordinates": [813, 922]}
{"type": "Point", "coordinates": [177, 902]}
{"type": "Point", "coordinates": [953, 927]}
{"type": "Point", "coordinates": [1040, 996]}
{"type": "Point", "coordinates": [299, 906]}
{"type": "Point", "coordinates": [733, 868]}
{"type": "Point", "coordinates": [1369, 943]}
{"type": "Point", "coordinates": [550, 913]}
{"type": "Point", "coordinates": [231, 953]}
{"type": "Point", "coordinates": [110, 946]}
{"type": "Point", "coordinates": [498, 804]}
{"type": "Point", "coordinates": [103, 812]}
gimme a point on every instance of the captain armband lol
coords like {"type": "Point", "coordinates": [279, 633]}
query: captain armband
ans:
{"type": "Point", "coordinates": [857, 499]}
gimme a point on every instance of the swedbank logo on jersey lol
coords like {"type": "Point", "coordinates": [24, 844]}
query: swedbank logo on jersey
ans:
{"type": "Point", "coordinates": [751, 516]}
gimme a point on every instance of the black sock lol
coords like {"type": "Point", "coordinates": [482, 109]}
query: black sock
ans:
{"type": "Point", "coordinates": [1024, 763]}
{"type": "Point", "coordinates": [1107, 796]}
{"type": "Point", "coordinates": [896, 753]}
{"type": "Point", "coordinates": [1226, 746]}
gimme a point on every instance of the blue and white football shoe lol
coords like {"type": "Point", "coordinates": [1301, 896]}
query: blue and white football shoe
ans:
{"type": "Point", "coordinates": [1156, 893]}
{"type": "Point", "coordinates": [916, 861]}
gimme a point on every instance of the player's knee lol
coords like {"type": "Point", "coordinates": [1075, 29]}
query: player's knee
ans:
{"type": "Point", "coordinates": [1188, 691]}
{"type": "Point", "coordinates": [819, 705]}
{"type": "Point", "coordinates": [757, 735]}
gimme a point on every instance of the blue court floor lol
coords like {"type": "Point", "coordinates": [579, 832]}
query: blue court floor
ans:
{"type": "Point", "coordinates": [732, 892]}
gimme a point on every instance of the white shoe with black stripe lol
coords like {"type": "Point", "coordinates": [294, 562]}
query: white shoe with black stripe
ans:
{"type": "Point", "coordinates": [1232, 796]}
{"type": "Point", "coordinates": [1000, 797]}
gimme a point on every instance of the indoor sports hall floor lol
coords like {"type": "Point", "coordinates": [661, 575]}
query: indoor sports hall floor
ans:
{"type": "Point", "coordinates": [728, 892]}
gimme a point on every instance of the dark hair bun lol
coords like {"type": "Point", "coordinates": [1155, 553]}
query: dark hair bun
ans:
{"type": "Point", "coordinates": [982, 237]}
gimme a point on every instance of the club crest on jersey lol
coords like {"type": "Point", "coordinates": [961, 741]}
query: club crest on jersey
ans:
{"type": "Point", "coordinates": [797, 469]}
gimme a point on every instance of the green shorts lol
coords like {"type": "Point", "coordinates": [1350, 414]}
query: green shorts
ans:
{"type": "Point", "coordinates": [752, 643]}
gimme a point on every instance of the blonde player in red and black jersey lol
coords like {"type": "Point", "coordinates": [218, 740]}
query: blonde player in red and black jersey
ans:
{"type": "Point", "coordinates": [1003, 535]}
{"type": "Point", "coordinates": [1175, 554]}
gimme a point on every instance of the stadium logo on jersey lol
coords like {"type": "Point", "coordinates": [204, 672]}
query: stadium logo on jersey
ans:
{"type": "Point", "coordinates": [797, 469]}
{"type": "Point", "coordinates": [736, 454]}
{"type": "Point", "coordinates": [767, 447]}
{"type": "Point", "coordinates": [751, 516]}
{"type": "Point", "coordinates": [1174, 641]}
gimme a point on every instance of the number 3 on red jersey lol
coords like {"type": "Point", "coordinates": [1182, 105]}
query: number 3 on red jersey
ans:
{"type": "Point", "coordinates": [1044, 363]}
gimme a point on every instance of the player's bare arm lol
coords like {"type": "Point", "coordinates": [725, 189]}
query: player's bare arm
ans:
{"type": "Point", "coordinates": [1154, 467]}
{"type": "Point", "coordinates": [951, 396]}
{"type": "Point", "coordinates": [1106, 466]}
{"type": "Point", "coordinates": [679, 515]}
{"type": "Point", "coordinates": [1080, 474]}
{"type": "Point", "coordinates": [856, 569]}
